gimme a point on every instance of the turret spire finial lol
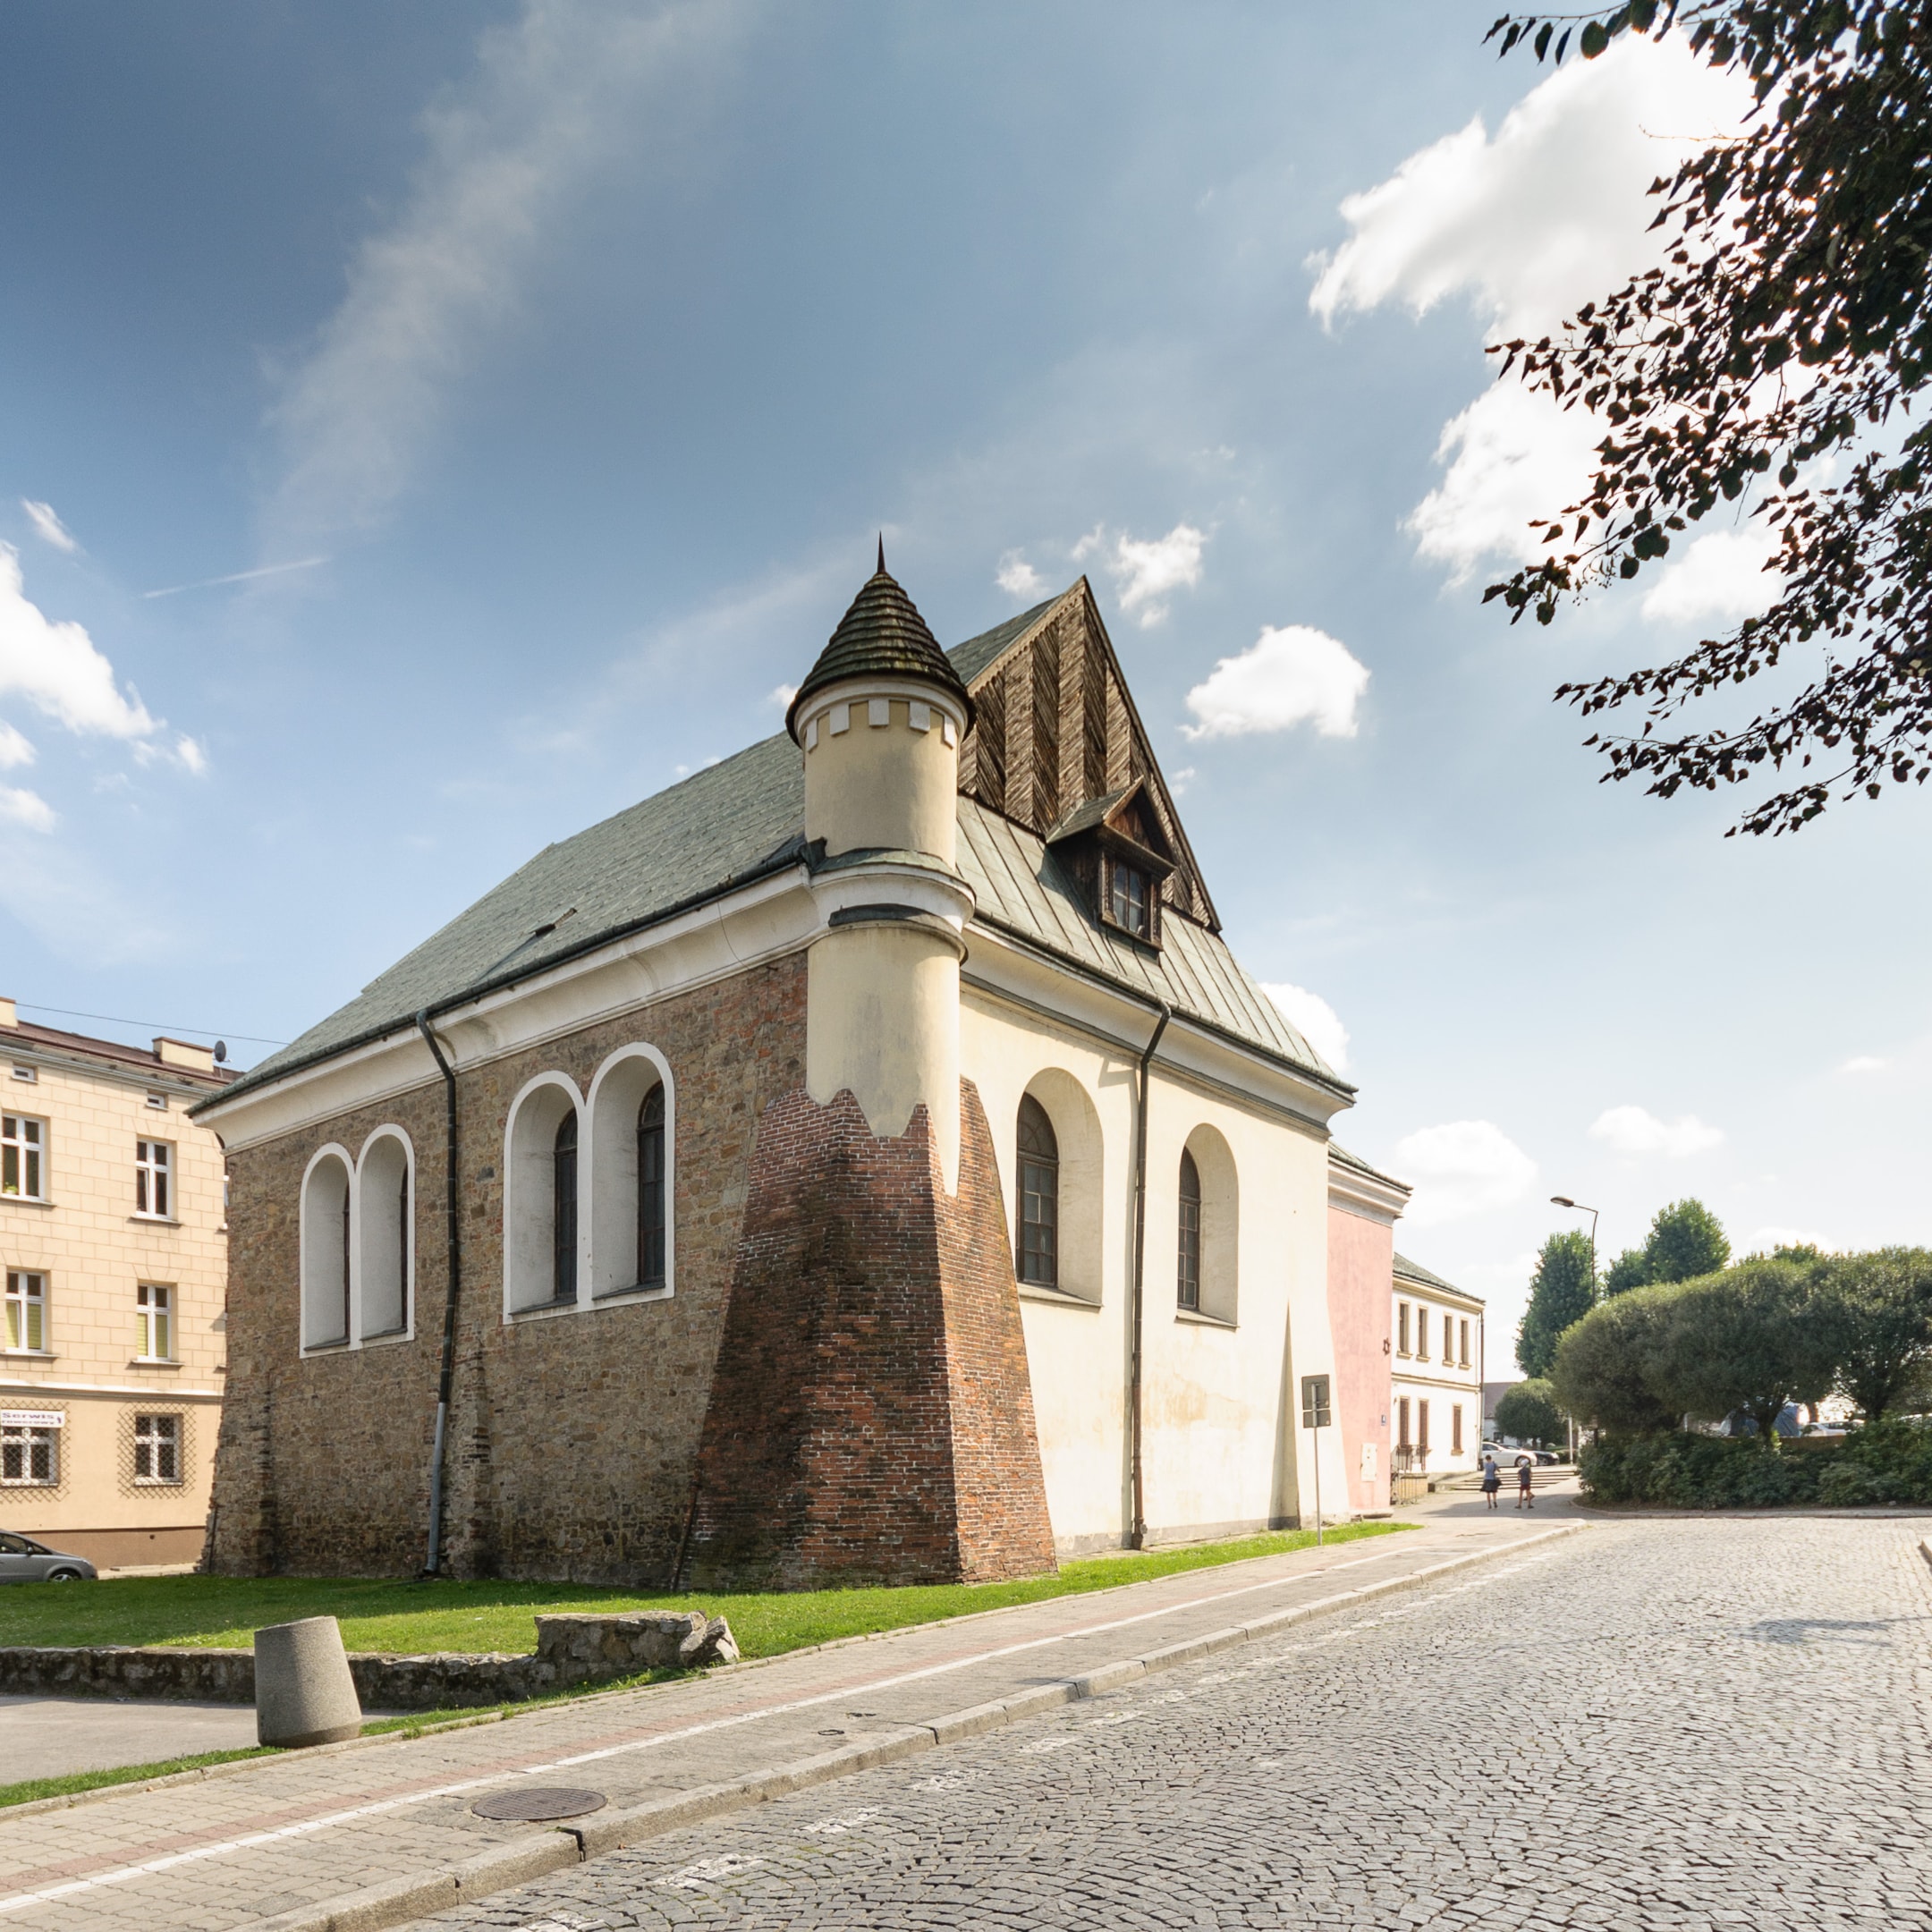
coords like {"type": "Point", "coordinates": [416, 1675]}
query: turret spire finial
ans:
{"type": "Point", "coordinates": [881, 554]}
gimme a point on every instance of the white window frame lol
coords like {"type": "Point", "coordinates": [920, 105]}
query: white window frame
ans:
{"type": "Point", "coordinates": [607, 1177]}
{"type": "Point", "coordinates": [155, 1438]}
{"type": "Point", "coordinates": [530, 1137]}
{"type": "Point", "coordinates": [20, 1304]}
{"type": "Point", "coordinates": [28, 1151]}
{"type": "Point", "coordinates": [154, 1307]}
{"type": "Point", "coordinates": [377, 1242]}
{"type": "Point", "coordinates": [29, 1437]}
{"type": "Point", "coordinates": [319, 1254]}
{"type": "Point", "coordinates": [156, 1180]}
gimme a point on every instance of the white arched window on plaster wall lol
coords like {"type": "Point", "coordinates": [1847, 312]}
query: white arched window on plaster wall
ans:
{"type": "Point", "coordinates": [327, 1196]}
{"type": "Point", "coordinates": [1207, 1228]}
{"type": "Point", "coordinates": [1057, 1147]}
{"type": "Point", "coordinates": [384, 1301]}
{"type": "Point", "coordinates": [632, 1112]}
{"type": "Point", "coordinates": [542, 1225]}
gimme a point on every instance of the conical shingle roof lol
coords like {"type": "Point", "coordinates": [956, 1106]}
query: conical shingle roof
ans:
{"type": "Point", "coordinates": [884, 635]}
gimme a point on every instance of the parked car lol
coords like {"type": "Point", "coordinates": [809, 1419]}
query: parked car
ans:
{"type": "Point", "coordinates": [24, 1561]}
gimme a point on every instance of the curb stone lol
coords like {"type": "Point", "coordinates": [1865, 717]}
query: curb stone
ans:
{"type": "Point", "coordinates": [521, 1859]}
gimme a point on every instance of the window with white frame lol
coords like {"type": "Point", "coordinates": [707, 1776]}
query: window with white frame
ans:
{"type": "Point", "coordinates": [26, 1310]}
{"type": "Point", "coordinates": [1464, 1363]}
{"type": "Point", "coordinates": [386, 1223]}
{"type": "Point", "coordinates": [1402, 1327]}
{"type": "Point", "coordinates": [154, 1195]}
{"type": "Point", "coordinates": [30, 1456]}
{"type": "Point", "coordinates": [157, 1457]}
{"type": "Point", "coordinates": [540, 1199]}
{"type": "Point", "coordinates": [325, 1251]}
{"type": "Point", "coordinates": [627, 1173]}
{"type": "Point", "coordinates": [154, 1318]}
{"type": "Point", "coordinates": [23, 1156]}
{"type": "Point", "coordinates": [32, 1075]}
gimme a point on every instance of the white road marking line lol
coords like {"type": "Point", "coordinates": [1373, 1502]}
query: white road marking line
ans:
{"type": "Point", "coordinates": [706, 1872]}
{"type": "Point", "coordinates": [305, 1828]}
{"type": "Point", "coordinates": [832, 1827]}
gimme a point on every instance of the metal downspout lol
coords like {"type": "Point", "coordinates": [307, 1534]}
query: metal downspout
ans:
{"type": "Point", "coordinates": [454, 1175]}
{"type": "Point", "coordinates": [1137, 1532]}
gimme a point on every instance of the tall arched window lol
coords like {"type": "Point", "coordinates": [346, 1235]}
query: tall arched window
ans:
{"type": "Point", "coordinates": [650, 1189]}
{"type": "Point", "coordinates": [383, 1196]}
{"type": "Point", "coordinates": [325, 1274]}
{"type": "Point", "coordinates": [563, 1212]}
{"type": "Point", "coordinates": [1038, 1247]}
{"type": "Point", "coordinates": [1188, 1279]}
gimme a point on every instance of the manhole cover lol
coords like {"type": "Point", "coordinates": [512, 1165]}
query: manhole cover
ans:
{"type": "Point", "coordinates": [529, 1806]}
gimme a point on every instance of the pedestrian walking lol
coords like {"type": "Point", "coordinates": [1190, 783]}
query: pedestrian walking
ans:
{"type": "Point", "coordinates": [1492, 1479]}
{"type": "Point", "coordinates": [1525, 1463]}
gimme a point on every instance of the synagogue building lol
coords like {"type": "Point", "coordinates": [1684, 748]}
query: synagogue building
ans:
{"type": "Point", "coordinates": [865, 1161]}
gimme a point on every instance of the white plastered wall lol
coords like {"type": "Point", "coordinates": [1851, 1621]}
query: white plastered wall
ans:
{"type": "Point", "coordinates": [1223, 1446]}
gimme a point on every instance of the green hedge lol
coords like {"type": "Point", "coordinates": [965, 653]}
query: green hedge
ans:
{"type": "Point", "coordinates": [1890, 1462]}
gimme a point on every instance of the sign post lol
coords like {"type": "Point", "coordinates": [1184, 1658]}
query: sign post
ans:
{"type": "Point", "coordinates": [1316, 1416]}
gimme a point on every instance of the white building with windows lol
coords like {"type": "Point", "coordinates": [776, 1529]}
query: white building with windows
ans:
{"type": "Point", "coordinates": [112, 1229]}
{"type": "Point", "coordinates": [1435, 1374]}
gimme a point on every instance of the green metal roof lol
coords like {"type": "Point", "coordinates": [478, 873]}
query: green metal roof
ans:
{"type": "Point", "coordinates": [1413, 1271]}
{"type": "Point", "coordinates": [742, 819]}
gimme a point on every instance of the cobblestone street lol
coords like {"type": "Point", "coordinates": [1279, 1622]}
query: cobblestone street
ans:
{"type": "Point", "coordinates": [1661, 1724]}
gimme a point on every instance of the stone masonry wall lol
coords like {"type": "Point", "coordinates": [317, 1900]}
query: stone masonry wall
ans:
{"type": "Point", "coordinates": [873, 1370]}
{"type": "Point", "coordinates": [572, 1438]}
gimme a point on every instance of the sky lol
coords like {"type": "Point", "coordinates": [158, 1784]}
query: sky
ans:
{"type": "Point", "coordinates": [425, 431]}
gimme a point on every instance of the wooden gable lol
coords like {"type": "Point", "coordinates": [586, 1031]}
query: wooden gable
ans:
{"type": "Point", "coordinates": [1056, 729]}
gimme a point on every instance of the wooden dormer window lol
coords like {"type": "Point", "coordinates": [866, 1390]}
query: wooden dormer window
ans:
{"type": "Point", "coordinates": [1116, 853]}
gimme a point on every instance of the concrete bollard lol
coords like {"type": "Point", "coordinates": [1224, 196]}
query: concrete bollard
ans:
{"type": "Point", "coordinates": [303, 1692]}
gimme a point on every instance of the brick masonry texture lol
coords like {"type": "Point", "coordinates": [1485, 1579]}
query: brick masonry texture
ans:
{"type": "Point", "coordinates": [872, 1416]}
{"type": "Point", "coordinates": [571, 1439]}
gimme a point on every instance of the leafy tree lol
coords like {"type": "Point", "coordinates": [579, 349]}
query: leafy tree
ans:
{"type": "Point", "coordinates": [1751, 1339]}
{"type": "Point", "coordinates": [1628, 1270]}
{"type": "Point", "coordinates": [1685, 1240]}
{"type": "Point", "coordinates": [1529, 1413]}
{"type": "Point", "coordinates": [1792, 321]}
{"type": "Point", "coordinates": [1603, 1364]}
{"type": "Point", "coordinates": [1561, 1292]}
{"type": "Point", "coordinates": [1879, 1309]}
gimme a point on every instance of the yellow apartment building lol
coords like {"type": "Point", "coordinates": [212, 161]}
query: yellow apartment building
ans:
{"type": "Point", "coordinates": [113, 1237]}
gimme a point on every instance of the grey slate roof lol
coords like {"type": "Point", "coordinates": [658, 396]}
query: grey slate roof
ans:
{"type": "Point", "coordinates": [1413, 1271]}
{"type": "Point", "coordinates": [740, 820]}
{"type": "Point", "coordinates": [1338, 1153]}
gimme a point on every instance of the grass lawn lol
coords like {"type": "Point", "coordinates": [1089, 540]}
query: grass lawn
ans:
{"type": "Point", "coordinates": [417, 1618]}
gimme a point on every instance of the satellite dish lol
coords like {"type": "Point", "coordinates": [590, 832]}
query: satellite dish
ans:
{"type": "Point", "coordinates": [221, 1051]}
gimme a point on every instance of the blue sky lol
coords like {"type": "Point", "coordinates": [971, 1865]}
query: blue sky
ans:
{"type": "Point", "coordinates": [556, 364]}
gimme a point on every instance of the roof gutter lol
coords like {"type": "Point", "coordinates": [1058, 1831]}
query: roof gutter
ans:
{"type": "Point", "coordinates": [1137, 1529]}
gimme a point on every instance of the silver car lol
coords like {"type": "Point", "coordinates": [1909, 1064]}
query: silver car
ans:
{"type": "Point", "coordinates": [24, 1561]}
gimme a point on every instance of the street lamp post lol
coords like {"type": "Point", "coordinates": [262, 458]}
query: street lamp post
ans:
{"type": "Point", "coordinates": [1563, 1200]}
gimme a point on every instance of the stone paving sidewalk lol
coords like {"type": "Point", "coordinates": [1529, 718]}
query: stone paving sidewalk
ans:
{"type": "Point", "coordinates": [279, 1838]}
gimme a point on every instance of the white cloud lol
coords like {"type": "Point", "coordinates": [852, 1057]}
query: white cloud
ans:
{"type": "Point", "coordinates": [1018, 578]}
{"type": "Point", "coordinates": [27, 808]}
{"type": "Point", "coordinates": [782, 695]}
{"type": "Point", "coordinates": [1317, 1022]}
{"type": "Point", "coordinates": [1461, 1168]}
{"type": "Point", "coordinates": [1722, 575]}
{"type": "Point", "coordinates": [14, 749]}
{"type": "Point", "coordinates": [184, 752]}
{"type": "Point", "coordinates": [555, 97]}
{"type": "Point", "coordinates": [56, 668]}
{"type": "Point", "coordinates": [1146, 572]}
{"type": "Point", "coordinates": [1763, 1240]}
{"type": "Point", "coordinates": [1636, 1133]}
{"type": "Point", "coordinates": [1529, 224]}
{"type": "Point", "coordinates": [1863, 1063]}
{"type": "Point", "coordinates": [1291, 676]}
{"type": "Point", "coordinates": [48, 527]}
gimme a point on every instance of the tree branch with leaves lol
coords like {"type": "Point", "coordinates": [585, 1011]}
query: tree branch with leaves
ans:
{"type": "Point", "coordinates": [1789, 324]}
